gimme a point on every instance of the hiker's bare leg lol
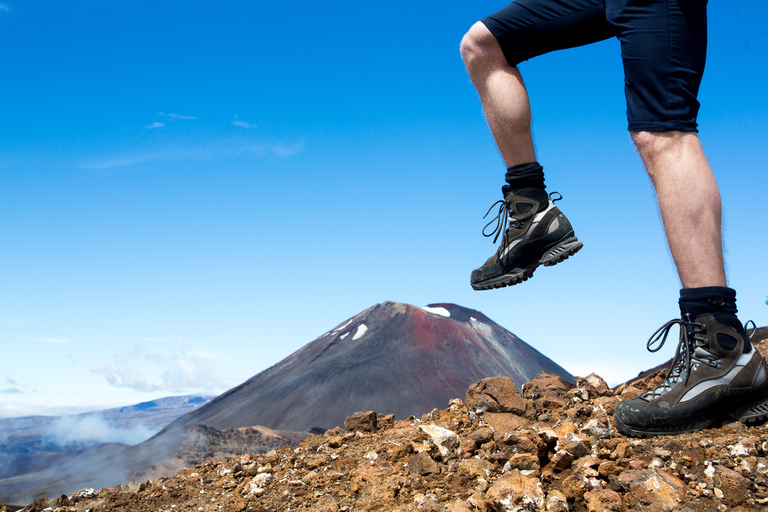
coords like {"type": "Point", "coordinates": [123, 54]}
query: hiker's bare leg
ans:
{"type": "Point", "coordinates": [689, 201]}
{"type": "Point", "coordinates": [502, 93]}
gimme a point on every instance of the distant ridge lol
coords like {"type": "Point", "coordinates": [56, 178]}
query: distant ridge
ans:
{"type": "Point", "coordinates": [391, 357]}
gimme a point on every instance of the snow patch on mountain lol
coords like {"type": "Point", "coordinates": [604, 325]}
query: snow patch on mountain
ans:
{"type": "Point", "coordinates": [437, 311]}
{"type": "Point", "coordinates": [361, 329]}
{"type": "Point", "coordinates": [341, 327]}
{"type": "Point", "coordinates": [480, 326]}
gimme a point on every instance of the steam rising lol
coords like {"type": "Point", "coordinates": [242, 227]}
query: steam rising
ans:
{"type": "Point", "coordinates": [91, 430]}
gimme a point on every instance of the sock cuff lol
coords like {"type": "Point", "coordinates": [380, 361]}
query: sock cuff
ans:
{"type": "Point", "coordinates": [525, 176]}
{"type": "Point", "coordinates": [708, 292]}
{"type": "Point", "coordinates": [708, 299]}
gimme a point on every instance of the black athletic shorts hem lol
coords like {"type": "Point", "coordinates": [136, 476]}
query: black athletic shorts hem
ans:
{"type": "Point", "coordinates": [663, 48]}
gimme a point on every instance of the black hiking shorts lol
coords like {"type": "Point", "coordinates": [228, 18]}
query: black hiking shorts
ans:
{"type": "Point", "coordinates": [663, 47]}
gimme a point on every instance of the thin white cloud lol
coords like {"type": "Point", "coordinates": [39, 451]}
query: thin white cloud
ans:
{"type": "Point", "coordinates": [111, 163]}
{"type": "Point", "coordinates": [286, 150]}
{"type": "Point", "coordinates": [243, 124]}
{"type": "Point", "coordinates": [52, 340]}
{"type": "Point", "coordinates": [15, 406]}
{"type": "Point", "coordinates": [156, 124]}
{"type": "Point", "coordinates": [176, 116]}
{"type": "Point", "coordinates": [179, 371]}
{"type": "Point", "coordinates": [5, 8]}
{"type": "Point", "coordinates": [221, 149]}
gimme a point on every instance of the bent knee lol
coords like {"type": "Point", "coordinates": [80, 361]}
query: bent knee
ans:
{"type": "Point", "coordinates": [644, 141]}
{"type": "Point", "coordinates": [650, 143]}
{"type": "Point", "coordinates": [480, 47]}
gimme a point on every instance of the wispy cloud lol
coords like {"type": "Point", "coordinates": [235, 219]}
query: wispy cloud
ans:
{"type": "Point", "coordinates": [170, 117]}
{"type": "Point", "coordinates": [243, 124]}
{"type": "Point", "coordinates": [223, 149]}
{"type": "Point", "coordinates": [176, 116]}
{"type": "Point", "coordinates": [51, 340]}
{"type": "Point", "coordinates": [286, 150]}
{"type": "Point", "coordinates": [14, 388]}
{"type": "Point", "coordinates": [5, 8]}
{"type": "Point", "coordinates": [179, 371]}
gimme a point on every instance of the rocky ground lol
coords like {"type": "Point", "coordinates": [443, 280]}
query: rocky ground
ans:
{"type": "Point", "coordinates": [552, 447]}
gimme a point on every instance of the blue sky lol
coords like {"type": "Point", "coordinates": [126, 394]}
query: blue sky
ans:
{"type": "Point", "coordinates": [192, 190]}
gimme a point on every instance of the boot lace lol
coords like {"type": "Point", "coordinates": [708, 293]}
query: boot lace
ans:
{"type": "Point", "coordinates": [689, 355]}
{"type": "Point", "coordinates": [503, 219]}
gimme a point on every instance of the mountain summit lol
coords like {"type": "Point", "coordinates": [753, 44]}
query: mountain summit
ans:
{"type": "Point", "coordinates": [391, 357]}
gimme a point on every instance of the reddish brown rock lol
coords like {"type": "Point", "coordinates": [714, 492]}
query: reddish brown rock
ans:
{"type": "Point", "coordinates": [475, 468]}
{"type": "Point", "coordinates": [503, 422]}
{"type": "Point", "coordinates": [575, 486]}
{"type": "Point", "coordinates": [361, 422]}
{"type": "Point", "coordinates": [611, 468]}
{"type": "Point", "coordinates": [556, 501]}
{"type": "Point", "coordinates": [423, 464]}
{"type": "Point", "coordinates": [594, 385]}
{"type": "Point", "coordinates": [575, 445]}
{"type": "Point", "coordinates": [653, 489]}
{"type": "Point", "coordinates": [495, 394]}
{"type": "Point", "coordinates": [603, 501]}
{"type": "Point", "coordinates": [326, 504]}
{"type": "Point", "coordinates": [480, 435]}
{"type": "Point", "coordinates": [521, 441]}
{"type": "Point", "coordinates": [459, 506]}
{"type": "Point", "coordinates": [735, 488]}
{"type": "Point", "coordinates": [513, 491]}
{"type": "Point", "coordinates": [523, 462]}
{"type": "Point", "coordinates": [562, 460]}
{"type": "Point", "coordinates": [547, 384]}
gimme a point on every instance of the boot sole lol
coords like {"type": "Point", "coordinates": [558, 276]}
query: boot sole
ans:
{"type": "Point", "coordinates": [756, 412]}
{"type": "Point", "coordinates": [553, 256]}
{"type": "Point", "coordinates": [663, 431]}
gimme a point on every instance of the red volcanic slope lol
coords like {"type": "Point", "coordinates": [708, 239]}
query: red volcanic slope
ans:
{"type": "Point", "coordinates": [392, 358]}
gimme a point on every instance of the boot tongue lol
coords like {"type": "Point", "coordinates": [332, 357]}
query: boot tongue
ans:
{"type": "Point", "coordinates": [524, 200]}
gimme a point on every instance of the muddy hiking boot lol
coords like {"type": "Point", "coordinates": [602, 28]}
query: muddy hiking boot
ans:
{"type": "Point", "coordinates": [532, 233]}
{"type": "Point", "coordinates": [711, 379]}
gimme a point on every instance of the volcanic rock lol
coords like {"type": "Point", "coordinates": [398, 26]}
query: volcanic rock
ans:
{"type": "Point", "coordinates": [722, 468]}
{"type": "Point", "coordinates": [361, 421]}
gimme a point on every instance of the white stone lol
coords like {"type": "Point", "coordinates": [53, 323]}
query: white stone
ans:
{"type": "Point", "coordinates": [446, 442]}
{"type": "Point", "coordinates": [262, 479]}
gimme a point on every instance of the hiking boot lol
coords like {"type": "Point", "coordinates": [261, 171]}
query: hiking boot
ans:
{"type": "Point", "coordinates": [532, 234]}
{"type": "Point", "coordinates": [710, 379]}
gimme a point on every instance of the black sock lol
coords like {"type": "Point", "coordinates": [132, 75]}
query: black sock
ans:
{"type": "Point", "coordinates": [719, 300]}
{"type": "Point", "coordinates": [527, 180]}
